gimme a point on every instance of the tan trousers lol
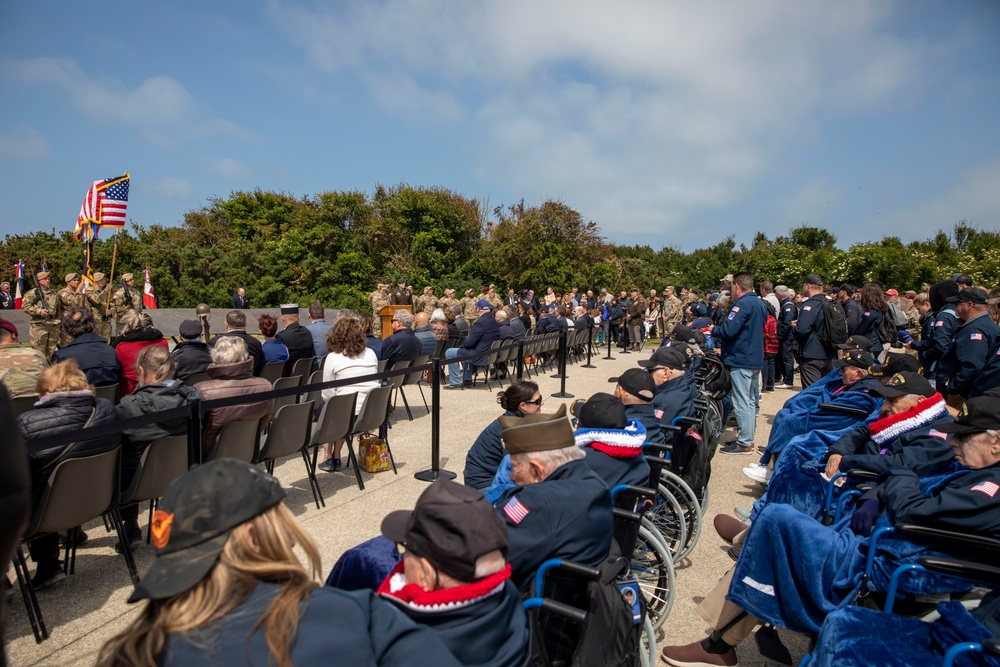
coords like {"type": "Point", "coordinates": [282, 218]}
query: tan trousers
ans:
{"type": "Point", "coordinates": [718, 611]}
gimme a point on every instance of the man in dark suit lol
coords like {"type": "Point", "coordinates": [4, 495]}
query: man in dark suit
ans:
{"type": "Point", "coordinates": [236, 325]}
{"type": "Point", "coordinates": [241, 301]}
{"type": "Point", "coordinates": [484, 332]}
{"type": "Point", "coordinates": [403, 344]}
{"type": "Point", "coordinates": [296, 337]}
{"type": "Point", "coordinates": [511, 298]}
{"type": "Point", "coordinates": [6, 298]}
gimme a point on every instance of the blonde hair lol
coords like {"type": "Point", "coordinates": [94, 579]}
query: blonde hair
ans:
{"type": "Point", "coordinates": [157, 362]}
{"type": "Point", "coordinates": [262, 553]}
{"type": "Point", "coordinates": [64, 376]}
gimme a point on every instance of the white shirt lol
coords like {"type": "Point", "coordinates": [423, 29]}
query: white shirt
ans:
{"type": "Point", "coordinates": [337, 366]}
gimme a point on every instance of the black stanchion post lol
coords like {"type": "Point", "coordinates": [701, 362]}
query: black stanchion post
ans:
{"type": "Point", "coordinates": [590, 344]}
{"type": "Point", "coordinates": [435, 472]}
{"type": "Point", "coordinates": [563, 347]}
{"type": "Point", "coordinates": [520, 359]}
{"type": "Point", "coordinates": [194, 433]}
{"type": "Point", "coordinates": [608, 324]}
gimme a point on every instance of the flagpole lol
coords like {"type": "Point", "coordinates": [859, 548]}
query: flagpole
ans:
{"type": "Point", "coordinates": [111, 280]}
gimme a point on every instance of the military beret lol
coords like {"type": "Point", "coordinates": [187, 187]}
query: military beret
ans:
{"type": "Point", "coordinates": [127, 277]}
{"type": "Point", "coordinates": [400, 281]}
{"type": "Point", "coordinates": [9, 326]}
{"type": "Point", "coordinates": [537, 433]}
{"type": "Point", "coordinates": [42, 275]}
{"type": "Point", "coordinates": [70, 277]}
{"type": "Point", "coordinates": [289, 309]}
{"type": "Point", "coordinates": [98, 276]}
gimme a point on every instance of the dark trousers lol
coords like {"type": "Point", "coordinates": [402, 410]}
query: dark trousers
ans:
{"type": "Point", "coordinates": [767, 374]}
{"type": "Point", "coordinates": [811, 370]}
{"type": "Point", "coordinates": [784, 368]}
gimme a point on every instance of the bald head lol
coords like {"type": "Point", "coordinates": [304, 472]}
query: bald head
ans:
{"type": "Point", "coordinates": [421, 320]}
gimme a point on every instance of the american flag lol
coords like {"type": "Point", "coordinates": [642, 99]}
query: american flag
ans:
{"type": "Point", "coordinates": [989, 488]}
{"type": "Point", "coordinates": [515, 511]}
{"type": "Point", "coordinates": [105, 204]}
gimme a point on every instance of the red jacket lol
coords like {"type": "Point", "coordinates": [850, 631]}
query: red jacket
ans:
{"type": "Point", "coordinates": [128, 348]}
{"type": "Point", "coordinates": [771, 335]}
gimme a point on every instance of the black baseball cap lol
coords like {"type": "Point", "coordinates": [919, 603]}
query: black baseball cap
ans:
{"type": "Point", "coordinates": [902, 384]}
{"type": "Point", "coordinates": [896, 362]}
{"type": "Point", "coordinates": [639, 383]}
{"type": "Point", "coordinates": [451, 526]}
{"type": "Point", "coordinates": [847, 287]}
{"type": "Point", "coordinates": [977, 415]}
{"type": "Point", "coordinates": [856, 358]}
{"type": "Point", "coordinates": [857, 343]}
{"type": "Point", "coordinates": [193, 520]}
{"type": "Point", "coordinates": [812, 279]}
{"type": "Point", "coordinates": [670, 357]}
{"type": "Point", "coordinates": [973, 294]}
{"type": "Point", "coordinates": [602, 411]}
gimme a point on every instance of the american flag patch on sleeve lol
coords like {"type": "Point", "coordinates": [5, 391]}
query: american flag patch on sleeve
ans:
{"type": "Point", "coordinates": [937, 434]}
{"type": "Point", "coordinates": [989, 488]}
{"type": "Point", "coordinates": [976, 336]}
{"type": "Point", "coordinates": [515, 510]}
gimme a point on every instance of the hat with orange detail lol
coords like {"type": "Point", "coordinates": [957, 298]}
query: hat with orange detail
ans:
{"type": "Point", "coordinates": [193, 520]}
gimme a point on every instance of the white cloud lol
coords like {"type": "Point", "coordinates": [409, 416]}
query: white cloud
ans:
{"type": "Point", "coordinates": [173, 187]}
{"type": "Point", "coordinates": [23, 143]}
{"type": "Point", "coordinates": [227, 167]}
{"type": "Point", "coordinates": [665, 109]}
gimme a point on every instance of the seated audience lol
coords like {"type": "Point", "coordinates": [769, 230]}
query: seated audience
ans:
{"type": "Point", "coordinates": [20, 365]}
{"type": "Point", "coordinates": [422, 330]}
{"type": "Point", "coordinates": [192, 355]}
{"type": "Point", "coordinates": [372, 342]}
{"type": "Point", "coordinates": [227, 587]}
{"type": "Point", "coordinates": [402, 345]}
{"type": "Point", "coordinates": [483, 460]}
{"type": "Point", "coordinates": [231, 374]}
{"type": "Point", "coordinates": [138, 332]}
{"type": "Point", "coordinates": [635, 390]}
{"type": "Point", "coordinates": [236, 326]}
{"type": "Point", "coordinates": [348, 358]}
{"type": "Point", "coordinates": [96, 358]}
{"type": "Point", "coordinates": [439, 326]}
{"type": "Point", "coordinates": [454, 577]}
{"type": "Point", "coordinates": [484, 332]}
{"type": "Point", "coordinates": [296, 337]}
{"type": "Point", "coordinates": [675, 391]}
{"type": "Point", "coordinates": [273, 349]}
{"type": "Point", "coordinates": [66, 403]}
{"type": "Point", "coordinates": [612, 443]}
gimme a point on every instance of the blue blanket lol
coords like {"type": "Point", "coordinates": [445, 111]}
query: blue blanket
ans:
{"type": "Point", "coordinates": [856, 636]}
{"type": "Point", "coordinates": [797, 481]}
{"type": "Point", "coordinates": [801, 421]}
{"type": "Point", "coordinates": [364, 566]}
{"type": "Point", "coordinates": [793, 571]}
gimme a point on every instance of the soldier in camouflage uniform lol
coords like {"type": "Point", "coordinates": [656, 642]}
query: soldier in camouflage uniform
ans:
{"type": "Point", "coordinates": [426, 302]}
{"type": "Point", "coordinates": [379, 299]}
{"type": "Point", "coordinates": [44, 313]}
{"type": "Point", "coordinates": [402, 295]}
{"type": "Point", "coordinates": [97, 301]}
{"type": "Point", "coordinates": [448, 300]}
{"type": "Point", "coordinates": [493, 297]}
{"type": "Point", "coordinates": [673, 311]}
{"type": "Point", "coordinates": [469, 310]}
{"type": "Point", "coordinates": [636, 312]}
{"type": "Point", "coordinates": [124, 301]}
{"type": "Point", "coordinates": [20, 366]}
{"type": "Point", "coordinates": [69, 298]}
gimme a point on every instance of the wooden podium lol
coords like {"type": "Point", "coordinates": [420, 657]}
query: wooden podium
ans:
{"type": "Point", "coordinates": [386, 314]}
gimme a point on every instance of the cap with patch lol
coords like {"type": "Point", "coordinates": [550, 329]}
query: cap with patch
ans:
{"type": "Point", "coordinates": [193, 520]}
{"type": "Point", "coordinates": [896, 362]}
{"type": "Point", "coordinates": [638, 382]}
{"type": "Point", "coordinates": [452, 525]}
{"type": "Point", "coordinates": [855, 358]}
{"type": "Point", "coordinates": [856, 343]}
{"type": "Point", "coordinates": [670, 357]}
{"type": "Point", "coordinates": [483, 303]}
{"type": "Point", "coordinates": [910, 292]}
{"type": "Point", "coordinates": [537, 433]}
{"type": "Point", "coordinates": [728, 278]}
{"type": "Point", "coordinates": [98, 276]}
{"type": "Point", "coordinates": [977, 415]}
{"type": "Point", "coordinates": [383, 285]}
{"type": "Point", "coordinates": [289, 309]}
{"type": "Point", "coordinates": [70, 277]}
{"type": "Point", "coordinates": [847, 287]}
{"type": "Point", "coordinates": [190, 329]}
{"type": "Point", "coordinates": [903, 384]}
{"type": "Point", "coordinates": [127, 277]}
{"type": "Point", "coordinates": [973, 294]}
{"type": "Point", "coordinates": [601, 411]}
{"type": "Point", "coordinates": [41, 275]}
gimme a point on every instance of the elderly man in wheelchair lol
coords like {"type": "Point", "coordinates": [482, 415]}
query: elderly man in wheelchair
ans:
{"type": "Point", "coordinates": [793, 571]}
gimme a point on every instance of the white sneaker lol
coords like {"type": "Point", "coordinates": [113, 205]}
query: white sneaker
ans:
{"type": "Point", "coordinates": [759, 473]}
{"type": "Point", "coordinates": [783, 386]}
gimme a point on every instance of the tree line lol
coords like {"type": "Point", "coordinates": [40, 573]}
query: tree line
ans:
{"type": "Point", "coordinates": [335, 246]}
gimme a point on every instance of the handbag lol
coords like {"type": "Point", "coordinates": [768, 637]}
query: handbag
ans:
{"type": "Point", "coordinates": [373, 454]}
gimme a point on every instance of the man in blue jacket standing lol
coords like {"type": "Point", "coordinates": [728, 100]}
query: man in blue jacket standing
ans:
{"type": "Point", "coordinates": [742, 337]}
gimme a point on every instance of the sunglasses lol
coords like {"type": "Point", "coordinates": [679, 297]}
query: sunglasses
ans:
{"type": "Point", "coordinates": [535, 402]}
{"type": "Point", "coordinates": [653, 369]}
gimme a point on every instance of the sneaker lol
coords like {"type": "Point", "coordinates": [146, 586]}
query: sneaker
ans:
{"type": "Point", "coordinates": [734, 448]}
{"type": "Point", "coordinates": [783, 386]}
{"type": "Point", "coordinates": [327, 466]}
{"type": "Point", "coordinates": [761, 448]}
{"type": "Point", "coordinates": [695, 655]}
{"type": "Point", "coordinates": [758, 473]}
{"type": "Point", "coordinates": [45, 577]}
{"type": "Point", "coordinates": [743, 513]}
{"type": "Point", "coordinates": [734, 552]}
{"type": "Point", "coordinates": [460, 385]}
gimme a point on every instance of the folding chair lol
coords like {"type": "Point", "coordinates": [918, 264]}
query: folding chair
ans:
{"type": "Point", "coordinates": [108, 391]}
{"type": "Point", "coordinates": [237, 440]}
{"type": "Point", "coordinates": [272, 371]}
{"type": "Point", "coordinates": [373, 415]}
{"type": "Point", "coordinates": [22, 404]}
{"type": "Point", "coordinates": [335, 421]}
{"type": "Point", "coordinates": [285, 383]}
{"type": "Point", "coordinates": [301, 368]}
{"type": "Point", "coordinates": [414, 379]}
{"type": "Point", "coordinates": [288, 434]}
{"type": "Point", "coordinates": [163, 461]}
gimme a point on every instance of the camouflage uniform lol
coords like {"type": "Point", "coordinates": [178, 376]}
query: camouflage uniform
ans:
{"type": "Point", "coordinates": [401, 297]}
{"type": "Point", "coordinates": [120, 304]}
{"type": "Point", "coordinates": [469, 310]}
{"type": "Point", "coordinates": [44, 328]}
{"type": "Point", "coordinates": [97, 301]}
{"type": "Point", "coordinates": [426, 303]}
{"type": "Point", "coordinates": [20, 367]}
{"type": "Point", "coordinates": [494, 299]}
{"type": "Point", "coordinates": [673, 313]}
{"type": "Point", "coordinates": [378, 300]}
{"type": "Point", "coordinates": [68, 299]}
{"type": "Point", "coordinates": [447, 302]}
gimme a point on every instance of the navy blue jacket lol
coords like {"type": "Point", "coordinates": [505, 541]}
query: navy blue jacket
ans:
{"type": "Point", "coordinates": [428, 343]}
{"type": "Point", "coordinates": [484, 332]}
{"type": "Point", "coordinates": [374, 344]}
{"type": "Point", "coordinates": [920, 450]}
{"type": "Point", "coordinates": [645, 413]}
{"type": "Point", "coordinates": [675, 398]}
{"type": "Point", "coordinates": [192, 356]}
{"type": "Point", "coordinates": [299, 342]}
{"type": "Point", "coordinates": [811, 322]}
{"type": "Point", "coordinates": [614, 471]}
{"type": "Point", "coordinates": [868, 327]}
{"type": "Point", "coordinates": [742, 333]}
{"type": "Point", "coordinates": [254, 348]}
{"type": "Point", "coordinates": [400, 346]}
{"type": "Point", "coordinates": [566, 515]}
{"type": "Point", "coordinates": [959, 368]}
{"type": "Point", "coordinates": [934, 346]}
{"type": "Point", "coordinates": [98, 360]}
{"type": "Point", "coordinates": [989, 378]}
{"type": "Point", "coordinates": [852, 315]}
{"type": "Point", "coordinates": [368, 631]}
{"type": "Point", "coordinates": [788, 315]}
{"type": "Point", "coordinates": [483, 459]}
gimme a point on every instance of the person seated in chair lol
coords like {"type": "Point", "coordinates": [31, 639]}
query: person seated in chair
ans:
{"type": "Point", "coordinates": [454, 577]}
{"type": "Point", "coordinates": [612, 443]}
{"type": "Point", "coordinates": [98, 360]}
{"type": "Point", "coordinates": [676, 391]}
{"type": "Point", "coordinates": [635, 390]}
{"type": "Point", "coordinates": [560, 508]}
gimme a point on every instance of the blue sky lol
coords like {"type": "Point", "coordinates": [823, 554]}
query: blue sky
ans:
{"type": "Point", "coordinates": [667, 123]}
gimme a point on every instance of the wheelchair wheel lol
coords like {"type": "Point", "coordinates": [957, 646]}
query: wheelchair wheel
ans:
{"type": "Point", "coordinates": [690, 508]}
{"type": "Point", "coordinates": [712, 426]}
{"type": "Point", "coordinates": [703, 501]}
{"type": "Point", "coordinates": [668, 519]}
{"type": "Point", "coordinates": [653, 567]}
